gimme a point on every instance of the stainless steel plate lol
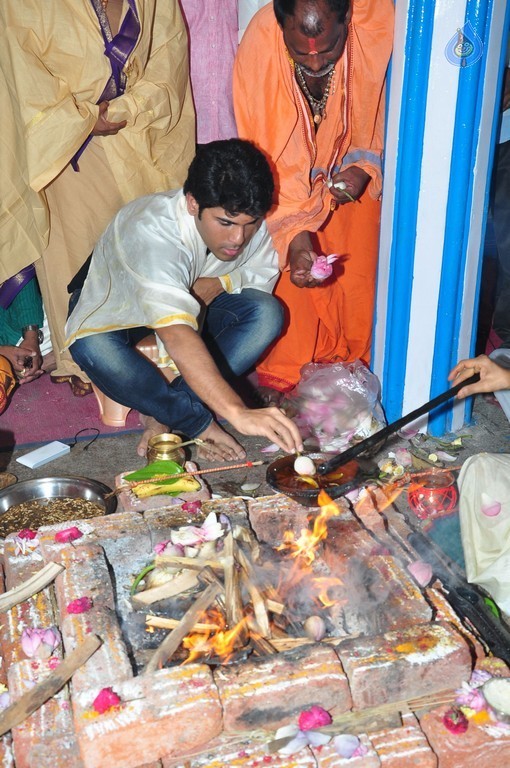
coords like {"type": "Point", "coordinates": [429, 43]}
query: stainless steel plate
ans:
{"type": "Point", "coordinates": [57, 488]}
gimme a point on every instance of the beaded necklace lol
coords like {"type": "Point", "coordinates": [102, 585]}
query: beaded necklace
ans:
{"type": "Point", "coordinates": [318, 106]}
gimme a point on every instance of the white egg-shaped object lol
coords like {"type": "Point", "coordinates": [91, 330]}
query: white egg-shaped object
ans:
{"type": "Point", "coordinates": [304, 465]}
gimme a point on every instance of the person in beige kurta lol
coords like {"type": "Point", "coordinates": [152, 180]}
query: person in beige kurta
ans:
{"type": "Point", "coordinates": [91, 138]}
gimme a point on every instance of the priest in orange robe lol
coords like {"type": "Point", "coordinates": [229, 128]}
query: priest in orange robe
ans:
{"type": "Point", "coordinates": [309, 91]}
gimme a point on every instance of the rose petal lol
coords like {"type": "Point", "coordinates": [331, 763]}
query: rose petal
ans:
{"type": "Point", "coordinates": [346, 745]}
{"type": "Point", "coordinates": [490, 508]}
{"type": "Point", "coordinates": [421, 572]}
{"type": "Point", "coordinates": [68, 534]}
{"type": "Point", "coordinates": [315, 717]}
{"type": "Point", "coordinates": [106, 699]}
{"type": "Point", "coordinates": [80, 605]}
{"type": "Point", "coordinates": [27, 533]}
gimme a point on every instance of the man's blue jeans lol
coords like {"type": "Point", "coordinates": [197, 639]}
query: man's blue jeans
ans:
{"type": "Point", "coordinates": [237, 330]}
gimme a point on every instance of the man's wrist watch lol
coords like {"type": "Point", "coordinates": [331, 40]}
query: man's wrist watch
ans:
{"type": "Point", "coordinates": [40, 334]}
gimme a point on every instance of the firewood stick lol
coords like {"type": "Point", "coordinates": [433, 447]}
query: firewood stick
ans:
{"type": "Point", "coordinates": [193, 563]}
{"type": "Point", "coordinates": [159, 622]}
{"type": "Point", "coordinates": [37, 696]}
{"type": "Point", "coordinates": [246, 536]}
{"type": "Point", "coordinates": [30, 587]}
{"type": "Point", "coordinates": [262, 646]}
{"type": "Point", "coordinates": [170, 644]}
{"type": "Point", "coordinates": [274, 606]}
{"type": "Point", "coordinates": [257, 600]}
{"type": "Point", "coordinates": [374, 718]}
{"type": "Point", "coordinates": [207, 576]}
{"type": "Point", "coordinates": [184, 581]}
{"type": "Point", "coordinates": [233, 602]}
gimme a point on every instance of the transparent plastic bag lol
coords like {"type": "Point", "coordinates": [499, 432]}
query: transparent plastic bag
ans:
{"type": "Point", "coordinates": [336, 403]}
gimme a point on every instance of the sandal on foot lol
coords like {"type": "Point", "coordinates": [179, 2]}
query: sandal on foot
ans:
{"type": "Point", "coordinates": [79, 388]}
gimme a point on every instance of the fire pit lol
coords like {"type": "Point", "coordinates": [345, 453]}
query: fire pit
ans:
{"type": "Point", "coordinates": [318, 606]}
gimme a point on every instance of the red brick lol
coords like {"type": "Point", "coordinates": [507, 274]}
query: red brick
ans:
{"type": "Point", "coordinates": [110, 662]}
{"type": "Point", "coordinates": [53, 717]}
{"type": "Point", "coordinates": [404, 747]}
{"type": "Point", "coordinates": [86, 569]}
{"type": "Point", "coordinates": [270, 692]}
{"type": "Point", "coordinates": [369, 505]}
{"type": "Point", "coordinates": [404, 665]}
{"type": "Point", "coordinates": [327, 756]}
{"type": "Point", "coordinates": [249, 754]}
{"type": "Point", "coordinates": [376, 596]}
{"type": "Point", "coordinates": [19, 568]}
{"type": "Point", "coordinates": [346, 539]}
{"type": "Point", "coordinates": [57, 751]}
{"type": "Point", "coordinates": [6, 753]}
{"type": "Point", "coordinates": [169, 712]}
{"type": "Point", "coordinates": [481, 746]}
{"type": "Point", "coordinates": [123, 534]}
{"type": "Point", "coordinates": [444, 613]}
{"type": "Point", "coordinates": [271, 516]}
{"type": "Point", "coordinates": [37, 612]}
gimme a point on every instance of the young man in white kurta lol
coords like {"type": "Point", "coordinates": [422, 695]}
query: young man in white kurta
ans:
{"type": "Point", "coordinates": [167, 259]}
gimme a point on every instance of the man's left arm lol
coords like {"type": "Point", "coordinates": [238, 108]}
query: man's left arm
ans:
{"type": "Point", "coordinates": [157, 97]}
{"type": "Point", "coordinates": [372, 39]}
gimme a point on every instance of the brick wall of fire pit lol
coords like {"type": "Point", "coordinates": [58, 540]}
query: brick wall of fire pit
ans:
{"type": "Point", "coordinates": [388, 641]}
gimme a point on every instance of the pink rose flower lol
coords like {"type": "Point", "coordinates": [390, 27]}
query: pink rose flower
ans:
{"type": "Point", "coordinates": [39, 643]}
{"type": "Point", "coordinates": [106, 699]}
{"type": "Point", "coordinates": [192, 507]}
{"type": "Point", "coordinates": [315, 717]}
{"type": "Point", "coordinates": [68, 534]}
{"type": "Point", "coordinates": [322, 266]}
{"type": "Point", "coordinates": [80, 605]}
{"type": "Point", "coordinates": [27, 533]}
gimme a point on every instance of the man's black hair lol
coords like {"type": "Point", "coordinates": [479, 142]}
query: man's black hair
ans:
{"type": "Point", "coordinates": [231, 174]}
{"type": "Point", "coordinates": [285, 8]}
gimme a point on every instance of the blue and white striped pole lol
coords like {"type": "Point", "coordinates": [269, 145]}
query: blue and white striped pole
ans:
{"type": "Point", "coordinates": [442, 118]}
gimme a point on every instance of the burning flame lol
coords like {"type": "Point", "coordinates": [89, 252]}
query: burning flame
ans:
{"type": "Point", "coordinates": [322, 584]}
{"type": "Point", "coordinates": [221, 643]}
{"type": "Point", "coordinates": [306, 545]}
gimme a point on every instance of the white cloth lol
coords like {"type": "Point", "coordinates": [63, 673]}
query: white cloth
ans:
{"type": "Point", "coordinates": [147, 260]}
{"type": "Point", "coordinates": [484, 482]}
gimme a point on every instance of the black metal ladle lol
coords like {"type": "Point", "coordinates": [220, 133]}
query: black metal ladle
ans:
{"type": "Point", "coordinates": [342, 458]}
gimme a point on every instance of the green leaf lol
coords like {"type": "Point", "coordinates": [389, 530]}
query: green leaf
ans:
{"type": "Point", "coordinates": [155, 468]}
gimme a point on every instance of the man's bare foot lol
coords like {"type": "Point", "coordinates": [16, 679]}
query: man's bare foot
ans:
{"type": "Point", "coordinates": [152, 428]}
{"type": "Point", "coordinates": [49, 362]}
{"type": "Point", "coordinates": [220, 446]}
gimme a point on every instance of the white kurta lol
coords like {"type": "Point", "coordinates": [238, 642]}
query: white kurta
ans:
{"type": "Point", "coordinates": [146, 262]}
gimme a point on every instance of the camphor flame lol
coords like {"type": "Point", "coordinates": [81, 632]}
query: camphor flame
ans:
{"type": "Point", "coordinates": [305, 546]}
{"type": "Point", "coordinates": [221, 643]}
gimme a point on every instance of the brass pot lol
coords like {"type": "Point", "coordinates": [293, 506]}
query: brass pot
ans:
{"type": "Point", "coordinates": [165, 447]}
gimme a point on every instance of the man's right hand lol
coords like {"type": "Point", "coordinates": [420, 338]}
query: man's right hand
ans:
{"type": "Point", "coordinates": [103, 127]}
{"type": "Point", "coordinates": [493, 377]}
{"type": "Point", "coordinates": [271, 423]}
{"type": "Point", "coordinates": [17, 357]}
{"type": "Point", "coordinates": [301, 259]}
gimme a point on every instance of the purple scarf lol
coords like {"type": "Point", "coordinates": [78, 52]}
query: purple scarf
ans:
{"type": "Point", "coordinates": [11, 287]}
{"type": "Point", "coordinates": [117, 49]}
